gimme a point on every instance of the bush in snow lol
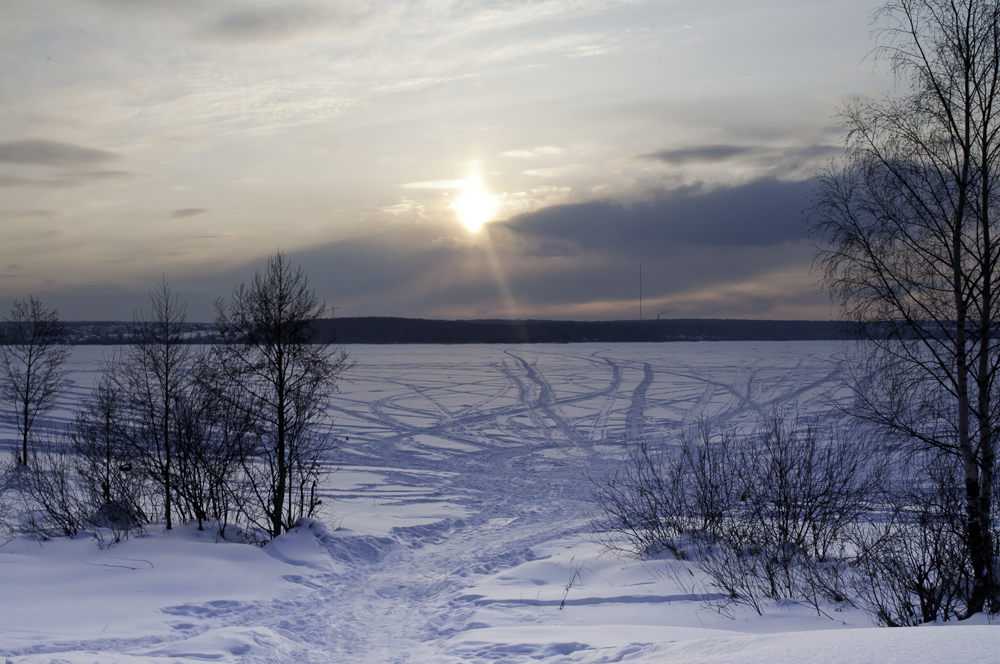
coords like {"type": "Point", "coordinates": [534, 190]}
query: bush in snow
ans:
{"type": "Point", "coordinates": [50, 502]}
{"type": "Point", "coordinates": [913, 564]}
{"type": "Point", "coordinates": [765, 515]}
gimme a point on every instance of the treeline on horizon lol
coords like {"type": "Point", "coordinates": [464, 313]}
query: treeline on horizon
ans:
{"type": "Point", "coordinates": [398, 330]}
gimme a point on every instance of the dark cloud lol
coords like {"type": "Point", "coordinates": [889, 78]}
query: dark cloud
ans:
{"type": "Point", "coordinates": [702, 252]}
{"type": "Point", "coordinates": [72, 165]}
{"type": "Point", "coordinates": [66, 179]}
{"type": "Point", "coordinates": [736, 252]}
{"type": "Point", "coordinates": [410, 275]}
{"type": "Point", "coordinates": [361, 275]}
{"type": "Point", "coordinates": [820, 151]}
{"type": "Point", "coordinates": [413, 273]}
{"type": "Point", "coordinates": [794, 163]}
{"type": "Point", "coordinates": [371, 266]}
{"type": "Point", "coordinates": [704, 153]}
{"type": "Point", "coordinates": [265, 24]}
{"type": "Point", "coordinates": [42, 152]}
{"type": "Point", "coordinates": [278, 23]}
{"type": "Point", "coordinates": [761, 213]}
{"type": "Point", "coordinates": [799, 161]}
{"type": "Point", "coordinates": [30, 214]}
{"type": "Point", "coordinates": [187, 212]}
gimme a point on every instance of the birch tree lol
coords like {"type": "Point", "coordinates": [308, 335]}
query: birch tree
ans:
{"type": "Point", "coordinates": [909, 247]}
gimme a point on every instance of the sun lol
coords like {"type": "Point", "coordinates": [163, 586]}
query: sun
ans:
{"type": "Point", "coordinates": [475, 206]}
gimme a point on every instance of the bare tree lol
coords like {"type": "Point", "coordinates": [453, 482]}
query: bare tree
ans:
{"type": "Point", "coordinates": [31, 366]}
{"type": "Point", "coordinates": [910, 247]}
{"type": "Point", "coordinates": [213, 444]}
{"type": "Point", "coordinates": [153, 433]}
{"type": "Point", "coordinates": [270, 364]}
{"type": "Point", "coordinates": [153, 374]}
{"type": "Point", "coordinates": [116, 489]}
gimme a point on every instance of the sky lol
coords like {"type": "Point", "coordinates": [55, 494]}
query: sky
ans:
{"type": "Point", "coordinates": [426, 158]}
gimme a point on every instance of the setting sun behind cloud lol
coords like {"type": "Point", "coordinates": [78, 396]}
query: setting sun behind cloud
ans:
{"type": "Point", "coordinates": [475, 206]}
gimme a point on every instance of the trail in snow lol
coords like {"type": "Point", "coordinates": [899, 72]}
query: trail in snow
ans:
{"type": "Point", "coordinates": [526, 484]}
{"type": "Point", "coordinates": [465, 463]}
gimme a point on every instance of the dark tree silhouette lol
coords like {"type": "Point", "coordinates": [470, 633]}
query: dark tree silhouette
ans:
{"type": "Point", "coordinates": [271, 365]}
{"type": "Point", "coordinates": [153, 374]}
{"type": "Point", "coordinates": [909, 246]}
{"type": "Point", "coordinates": [32, 355]}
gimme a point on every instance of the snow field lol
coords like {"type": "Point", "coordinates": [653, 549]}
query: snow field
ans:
{"type": "Point", "coordinates": [456, 530]}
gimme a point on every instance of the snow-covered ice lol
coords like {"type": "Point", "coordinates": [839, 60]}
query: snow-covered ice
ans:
{"type": "Point", "coordinates": [456, 530]}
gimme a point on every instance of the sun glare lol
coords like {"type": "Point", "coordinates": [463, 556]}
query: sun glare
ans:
{"type": "Point", "coordinates": [475, 206]}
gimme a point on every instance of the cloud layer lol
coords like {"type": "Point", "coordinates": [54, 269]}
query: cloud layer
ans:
{"type": "Point", "coordinates": [42, 152]}
{"type": "Point", "coordinates": [760, 213]}
{"type": "Point", "coordinates": [190, 139]}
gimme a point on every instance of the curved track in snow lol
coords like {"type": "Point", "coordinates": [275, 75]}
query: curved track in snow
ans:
{"type": "Point", "coordinates": [486, 452]}
{"type": "Point", "coordinates": [535, 425]}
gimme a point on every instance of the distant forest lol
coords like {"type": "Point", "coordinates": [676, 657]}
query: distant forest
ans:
{"type": "Point", "coordinates": [388, 330]}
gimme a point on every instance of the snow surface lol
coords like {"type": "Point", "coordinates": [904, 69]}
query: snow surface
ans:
{"type": "Point", "coordinates": [456, 530]}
